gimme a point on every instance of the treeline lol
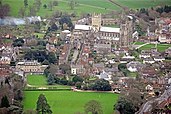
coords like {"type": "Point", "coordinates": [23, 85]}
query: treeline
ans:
{"type": "Point", "coordinates": [165, 9]}
{"type": "Point", "coordinates": [78, 81]}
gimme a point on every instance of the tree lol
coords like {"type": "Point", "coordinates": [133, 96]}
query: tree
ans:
{"type": "Point", "coordinates": [94, 107]}
{"type": "Point", "coordinates": [21, 12]}
{"type": "Point", "coordinates": [101, 85]}
{"type": "Point", "coordinates": [66, 20]}
{"type": "Point", "coordinates": [37, 4]}
{"type": "Point", "coordinates": [4, 102]}
{"type": "Point", "coordinates": [76, 79]}
{"type": "Point", "coordinates": [4, 10]}
{"type": "Point", "coordinates": [52, 58]}
{"type": "Point", "coordinates": [54, 27]}
{"type": "Point", "coordinates": [18, 42]}
{"type": "Point", "coordinates": [25, 3]}
{"type": "Point", "coordinates": [50, 5]}
{"type": "Point", "coordinates": [55, 3]}
{"type": "Point", "coordinates": [51, 79]}
{"type": "Point", "coordinates": [72, 4]}
{"type": "Point", "coordinates": [45, 6]}
{"type": "Point", "coordinates": [42, 105]}
{"type": "Point", "coordinates": [124, 106]}
{"type": "Point", "coordinates": [78, 85]}
{"type": "Point", "coordinates": [66, 69]}
{"type": "Point", "coordinates": [32, 11]}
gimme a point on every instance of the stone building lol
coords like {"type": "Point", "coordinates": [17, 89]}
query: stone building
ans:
{"type": "Point", "coordinates": [121, 36]}
{"type": "Point", "coordinates": [31, 67]}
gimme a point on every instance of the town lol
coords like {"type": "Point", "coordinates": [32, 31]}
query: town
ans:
{"type": "Point", "coordinates": [111, 62]}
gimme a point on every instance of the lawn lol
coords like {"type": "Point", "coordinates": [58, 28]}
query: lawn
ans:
{"type": "Point", "coordinates": [68, 102]}
{"type": "Point", "coordinates": [40, 81]}
{"type": "Point", "coordinates": [138, 43]}
{"type": "Point", "coordinates": [135, 4]}
{"type": "Point", "coordinates": [147, 47]}
{"type": "Point", "coordinates": [40, 35]}
{"type": "Point", "coordinates": [85, 6]}
{"type": "Point", "coordinates": [163, 47]}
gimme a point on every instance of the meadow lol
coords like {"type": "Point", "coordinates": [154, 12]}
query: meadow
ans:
{"type": "Point", "coordinates": [136, 4]}
{"type": "Point", "coordinates": [69, 102]}
{"type": "Point", "coordinates": [97, 6]}
{"type": "Point", "coordinates": [41, 81]}
{"type": "Point", "coordinates": [85, 6]}
{"type": "Point", "coordinates": [160, 47]}
{"type": "Point", "coordinates": [66, 102]}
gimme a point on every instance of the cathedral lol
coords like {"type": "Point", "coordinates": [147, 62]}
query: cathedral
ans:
{"type": "Point", "coordinates": [96, 33]}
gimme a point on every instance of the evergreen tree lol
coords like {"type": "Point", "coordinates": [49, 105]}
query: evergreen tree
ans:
{"type": "Point", "coordinates": [51, 79]}
{"type": "Point", "coordinates": [4, 102]}
{"type": "Point", "coordinates": [42, 105]}
{"type": "Point", "coordinates": [25, 3]}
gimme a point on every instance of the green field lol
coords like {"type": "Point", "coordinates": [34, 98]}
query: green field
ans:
{"type": "Point", "coordinates": [68, 102]}
{"type": "Point", "coordinates": [84, 6]}
{"type": "Point", "coordinates": [40, 81]}
{"type": "Point", "coordinates": [135, 4]}
{"type": "Point", "coordinates": [160, 47]}
{"type": "Point", "coordinates": [163, 47]}
{"type": "Point", "coordinates": [138, 43]}
{"type": "Point", "coordinates": [147, 47]}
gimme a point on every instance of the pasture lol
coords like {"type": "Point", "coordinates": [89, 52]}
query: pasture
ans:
{"type": "Point", "coordinates": [41, 81]}
{"type": "Point", "coordinates": [84, 6]}
{"type": "Point", "coordinates": [136, 4]}
{"type": "Point", "coordinates": [69, 102]}
{"type": "Point", "coordinates": [160, 47]}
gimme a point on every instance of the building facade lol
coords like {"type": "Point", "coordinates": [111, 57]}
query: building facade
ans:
{"type": "Point", "coordinates": [121, 36]}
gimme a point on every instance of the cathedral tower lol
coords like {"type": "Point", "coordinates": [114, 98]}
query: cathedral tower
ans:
{"type": "Point", "coordinates": [96, 22]}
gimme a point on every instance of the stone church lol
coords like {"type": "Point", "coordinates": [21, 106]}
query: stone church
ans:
{"type": "Point", "coordinates": [96, 33]}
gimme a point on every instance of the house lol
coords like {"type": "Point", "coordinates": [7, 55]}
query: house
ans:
{"type": "Point", "coordinates": [77, 69]}
{"type": "Point", "coordinates": [148, 60]}
{"type": "Point", "coordinates": [159, 58]}
{"type": "Point", "coordinates": [134, 66]}
{"type": "Point", "coordinates": [5, 71]}
{"type": "Point", "coordinates": [104, 75]}
{"type": "Point", "coordinates": [63, 57]}
{"type": "Point", "coordinates": [32, 66]}
{"type": "Point", "coordinates": [144, 55]}
{"type": "Point", "coordinates": [164, 30]}
{"type": "Point", "coordinates": [98, 67]}
{"type": "Point", "coordinates": [5, 60]}
{"type": "Point", "coordinates": [102, 48]}
{"type": "Point", "coordinates": [53, 40]}
{"type": "Point", "coordinates": [149, 88]}
{"type": "Point", "coordinates": [148, 72]}
{"type": "Point", "coordinates": [51, 47]}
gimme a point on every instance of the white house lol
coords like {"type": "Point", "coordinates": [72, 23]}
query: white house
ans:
{"type": "Point", "coordinates": [148, 60]}
{"type": "Point", "coordinates": [133, 66]}
{"type": "Point", "coordinates": [159, 58]}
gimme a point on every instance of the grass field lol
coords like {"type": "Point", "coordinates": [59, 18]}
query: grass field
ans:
{"type": "Point", "coordinates": [85, 6]}
{"type": "Point", "coordinates": [40, 81]}
{"type": "Point", "coordinates": [147, 47]}
{"type": "Point", "coordinates": [138, 43]}
{"type": "Point", "coordinates": [68, 102]}
{"type": "Point", "coordinates": [160, 47]}
{"type": "Point", "coordinates": [135, 4]}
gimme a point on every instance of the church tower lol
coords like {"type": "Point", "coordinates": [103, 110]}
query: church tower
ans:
{"type": "Point", "coordinates": [96, 22]}
{"type": "Point", "coordinates": [126, 32]}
